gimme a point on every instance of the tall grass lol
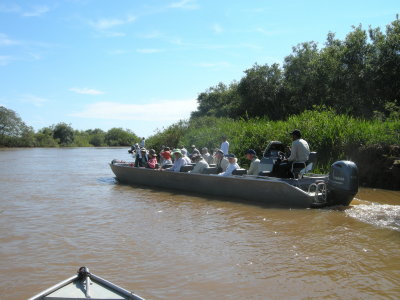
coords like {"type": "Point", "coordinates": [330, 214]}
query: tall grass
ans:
{"type": "Point", "coordinates": [332, 135]}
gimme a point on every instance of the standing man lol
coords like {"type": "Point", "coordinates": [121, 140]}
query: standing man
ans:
{"type": "Point", "coordinates": [225, 145]}
{"type": "Point", "coordinates": [142, 143]}
{"type": "Point", "coordinates": [255, 162]}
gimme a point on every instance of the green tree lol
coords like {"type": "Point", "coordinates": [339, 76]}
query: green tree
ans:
{"type": "Point", "coordinates": [120, 137]}
{"type": "Point", "coordinates": [261, 91]}
{"type": "Point", "coordinates": [13, 131]}
{"type": "Point", "coordinates": [44, 138]}
{"type": "Point", "coordinates": [96, 137]}
{"type": "Point", "coordinates": [64, 133]}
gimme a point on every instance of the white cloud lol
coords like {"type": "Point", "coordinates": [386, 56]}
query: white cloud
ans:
{"type": "Point", "coordinates": [31, 99]}
{"type": "Point", "coordinates": [36, 11]}
{"type": "Point", "coordinates": [185, 4]}
{"type": "Point", "coordinates": [104, 24]}
{"type": "Point", "coordinates": [168, 110]}
{"type": "Point", "coordinates": [5, 60]}
{"type": "Point", "coordinates": [217, 29]}
{"type": "Point", "coordinates": [148, 51]}
{"type": "Point", "coordinates": [5, 41]}
{"type": "Point", "coordinates": [9, 8]}
{"type": "Point", "coordinates": [86, 91]}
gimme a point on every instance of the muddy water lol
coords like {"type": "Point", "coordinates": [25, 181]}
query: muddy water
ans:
{"type": "Point", "coordinates": [61, 209]}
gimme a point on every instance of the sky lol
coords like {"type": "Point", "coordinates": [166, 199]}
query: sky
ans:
{"type": "Point", "coordinates": [139, 64]}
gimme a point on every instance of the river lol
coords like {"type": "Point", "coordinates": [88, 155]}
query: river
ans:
{"type": "Point", "coordinates": [62, 208]}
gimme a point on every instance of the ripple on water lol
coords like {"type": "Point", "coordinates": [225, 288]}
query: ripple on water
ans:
{"type": "Point", "coordinates": [381, 215]}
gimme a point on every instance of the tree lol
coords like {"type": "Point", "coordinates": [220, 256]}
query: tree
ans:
{"type": "Point", "coordinates": [120, 137]}
{"type": "Point", "coordinates": [64, 133]}
{"type": "Point", "coordinates": [13, 131]}
{"type": "Point", "coordinates": [261, 90]}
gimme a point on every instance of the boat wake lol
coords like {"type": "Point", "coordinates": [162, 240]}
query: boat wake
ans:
{"type": "Point", "coordinates": [381, 215]}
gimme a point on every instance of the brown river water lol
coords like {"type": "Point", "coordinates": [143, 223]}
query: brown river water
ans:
{"type": "Point", "coordinates": [62, 208]}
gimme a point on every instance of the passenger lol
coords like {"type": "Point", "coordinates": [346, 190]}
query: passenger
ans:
{"type": "Point", "coordinates": [300, 151]}
{"type": "Point", "coordinates": [207, 156]}
{"type": "Point", "coordinates": [232, 165]}
{"type": "Point", "coordinates": [221, 162]}
{"type": "Point", "coordinates": [141, 158]}
{"type": "Point", "coordinates": [179, 161]}
{"type": "Point", "coordinates": [152, 162]}
{"type": "Point", "coordinates": [194, 151]}
{"type": "Point", "coordinates": [142, 143]}
{"type": "Point", "coordinates": [255, 162]}
{"type": "Point", "coordinates": [167, 160]}
{"type": "Point", "coordinates": [166, 156]}
{"type": "Point", "coordinates": [185, 157]}
{"type": "Point", "coordinates": [201, 164]}
{"type": "Point", "coordinates": [184, 149]}
{"type": "Point", "coordinates": [225, 145]}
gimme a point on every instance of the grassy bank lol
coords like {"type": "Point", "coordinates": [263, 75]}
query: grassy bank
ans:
{"type": "Point", "coordinates": [333, 136]}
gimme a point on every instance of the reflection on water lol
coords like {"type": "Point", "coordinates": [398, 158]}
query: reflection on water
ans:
{"type": "Point", "coordinates": [61, 209]}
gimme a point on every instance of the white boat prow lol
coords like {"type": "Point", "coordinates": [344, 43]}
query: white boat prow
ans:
{"type": "Point", "coordinates": [85, 285]}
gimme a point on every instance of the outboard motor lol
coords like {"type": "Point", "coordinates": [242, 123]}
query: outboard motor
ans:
{"type": "Point", "coordinates": [342, 183]}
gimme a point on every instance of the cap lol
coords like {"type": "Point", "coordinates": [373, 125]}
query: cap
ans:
{"type": "Point", "coordinates": [251, 151]}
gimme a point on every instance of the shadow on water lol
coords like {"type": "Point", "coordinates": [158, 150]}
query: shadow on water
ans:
{"type": "Point", "coordinates": [107, 180]}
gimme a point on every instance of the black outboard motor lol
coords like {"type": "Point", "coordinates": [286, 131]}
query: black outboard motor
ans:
{"type": "Point", "coordinates": [342, 183]}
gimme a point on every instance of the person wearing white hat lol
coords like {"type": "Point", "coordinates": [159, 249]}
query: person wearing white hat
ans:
{"type": "Point", "coordinates": [179, 161]}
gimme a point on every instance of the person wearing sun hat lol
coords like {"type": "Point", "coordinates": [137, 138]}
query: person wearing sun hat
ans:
{"type": "Point", "coordinates": [141, 158]}
{"type": "Point", "coordinates": [166, 158]}
{"type": "Point", "coordinates": [179, 161]}
{"type": "Point", "coordinates": [152, 162]}
{"type": "Point", "coordinates": [232, 165]}
{"type": "Point", "coordinates": [255, 162]}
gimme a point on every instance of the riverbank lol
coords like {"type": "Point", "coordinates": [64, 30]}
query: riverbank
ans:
{"type": "Point", "coordinates": [372, 144]}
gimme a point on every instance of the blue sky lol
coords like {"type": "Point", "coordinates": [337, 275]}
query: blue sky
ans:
{"type": "Point", "coordinates": [141, 64]}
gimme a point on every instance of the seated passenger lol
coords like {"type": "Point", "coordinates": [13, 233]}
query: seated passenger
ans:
{"type": "Point", "coordinates": [201, 164]}
{"type": "Point", "coordinates": [152, 162]}
{"type": "Point", "coordinates": [167, 160]}
{"type": "Point", "coordinates": [220, 161]}
{"type": "Point", "coordinates": [194, 151]}
{"type": "Point", "coordinates": [300, 152]}
{"type": "Point", "coordinates": [232, 165]}
{"type": "Point", "coordinates": [206, 155]}
{"type": "Point", "coordinates": [141, 158]}
{"type": "Point", "coordinates": [255, 162]}
{"type": "Point", "coordinates": [185, 157]}
{"type": "Point", "coordinates": [179, 161]}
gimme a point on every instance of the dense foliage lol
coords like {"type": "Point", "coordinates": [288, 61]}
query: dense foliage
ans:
{"type": "Point", "coordinates": [334, 136]}
{"type": "Point", "coordinates": [358, 76]}
{"type": "Point", "coordinates": [15, 133]}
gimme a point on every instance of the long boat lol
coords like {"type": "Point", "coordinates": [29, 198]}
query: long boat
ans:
{"type": "Point", "coordinates": [85, 285]}
{"type": "Point", "coordinates": [307, 191]}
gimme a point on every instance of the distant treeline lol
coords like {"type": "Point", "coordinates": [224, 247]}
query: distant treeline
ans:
{"type": "Point", "coordinates": [15, 133]}
{"type": "Point", "coordinates": [358, 76]}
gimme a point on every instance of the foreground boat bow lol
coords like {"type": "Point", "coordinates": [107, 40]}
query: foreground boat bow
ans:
{"type": "Point", "coordinates": [85, 285]}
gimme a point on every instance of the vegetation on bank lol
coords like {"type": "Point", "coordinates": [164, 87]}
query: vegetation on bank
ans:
{"type": "Point", "coordinates": [332, 135]}
{"type": "Point", "coordinates": [15, 133]}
